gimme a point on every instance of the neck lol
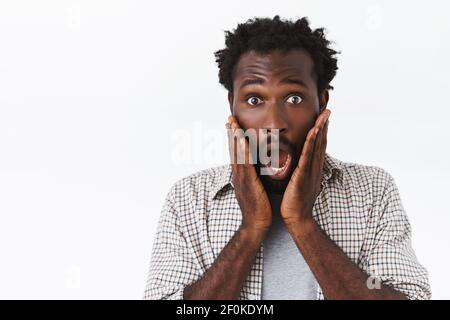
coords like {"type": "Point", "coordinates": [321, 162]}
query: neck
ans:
{"type": "Point", "coordinates": [275, 201]}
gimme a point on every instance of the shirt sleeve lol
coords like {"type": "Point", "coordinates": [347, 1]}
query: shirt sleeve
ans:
{"type": "Point", "coordinates": [172, 267]}
{"type": "Point", "coordinates": [391, 259]}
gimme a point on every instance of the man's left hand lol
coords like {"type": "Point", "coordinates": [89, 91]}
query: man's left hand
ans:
{"type": "Point", "coordinates": [305, 183]}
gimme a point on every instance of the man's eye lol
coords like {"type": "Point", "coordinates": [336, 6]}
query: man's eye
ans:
{"type": "Point", "coordinates": [253, 100]}
{"type": "Point", "coordinates": [295, 99]}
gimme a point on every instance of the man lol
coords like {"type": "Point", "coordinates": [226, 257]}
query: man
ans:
{"type": "Point", "coordinates": [314, 227]}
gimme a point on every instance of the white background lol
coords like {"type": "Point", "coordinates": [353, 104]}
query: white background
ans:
{"type": "Point", "coordinates": [99, 98]}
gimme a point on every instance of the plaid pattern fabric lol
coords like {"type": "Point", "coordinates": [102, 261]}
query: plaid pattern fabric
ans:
{"type": "Point", "coordinates": [359, 208]}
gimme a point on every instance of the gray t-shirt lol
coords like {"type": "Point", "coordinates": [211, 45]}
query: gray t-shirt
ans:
{"type": "Point", "coordinates": [286, 275]}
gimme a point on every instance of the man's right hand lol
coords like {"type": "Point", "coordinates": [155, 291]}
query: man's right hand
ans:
{"type": "Point", "coordinates": [250, 193]}
{"type": "Point", "coordinates": [226, 276]}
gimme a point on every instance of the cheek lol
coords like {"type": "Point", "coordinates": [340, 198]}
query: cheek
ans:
{"type": "Point", "coordinates": [300, 123]}
{"type": "Point", "coordinates": [250, 118]}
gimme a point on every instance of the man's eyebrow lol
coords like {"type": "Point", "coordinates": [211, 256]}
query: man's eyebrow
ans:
{"type": "Point", "coordinates": [300, 82]}
{"type": "Point", "coordinates": [288, 80]}
{"type": "Point", "coordinates": [248, 82]}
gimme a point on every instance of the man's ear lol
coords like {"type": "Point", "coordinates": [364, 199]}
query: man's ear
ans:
{"type": "Point", "coordinates": [230, 101]}
{"type": "Point", "coordinates": [323, 100]}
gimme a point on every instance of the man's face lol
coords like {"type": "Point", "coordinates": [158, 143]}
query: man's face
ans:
{"type": "Point", "coordinates": [277, 91]}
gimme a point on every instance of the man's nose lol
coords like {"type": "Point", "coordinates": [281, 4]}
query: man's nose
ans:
{"type": "Point", "coordinates": [275, 118]}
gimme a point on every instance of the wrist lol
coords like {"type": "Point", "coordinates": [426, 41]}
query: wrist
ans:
{"type": "Point", "coordinates": [302, 227]}
{"type": "Point", "coordinates": [253, 233]}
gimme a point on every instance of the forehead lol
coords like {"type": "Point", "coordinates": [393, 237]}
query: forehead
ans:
{"type": "Point", "coordinates": [275, 64]}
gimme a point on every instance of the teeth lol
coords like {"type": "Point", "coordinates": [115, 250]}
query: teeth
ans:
{"type": "Point", "coordinates": [276, 170]}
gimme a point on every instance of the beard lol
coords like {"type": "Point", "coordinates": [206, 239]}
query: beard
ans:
{"type": "Point", "coordinates": [274, 186]}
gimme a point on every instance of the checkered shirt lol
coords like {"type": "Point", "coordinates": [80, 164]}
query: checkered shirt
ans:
{"type": "Point", "coordinates": [359, 208]}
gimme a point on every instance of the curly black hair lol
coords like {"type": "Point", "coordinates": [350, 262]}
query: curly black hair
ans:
{"type": "Point", "coordinates": [264, 34]}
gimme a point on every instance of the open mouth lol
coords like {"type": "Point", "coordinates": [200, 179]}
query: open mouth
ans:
{"type": "Point", "coordinates": [284, 164]}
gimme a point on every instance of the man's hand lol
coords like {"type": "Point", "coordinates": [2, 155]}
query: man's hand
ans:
{"type": "Point", "coordinates": [250, 193]}
{"type": "Point", "coordinates": [305, 183]}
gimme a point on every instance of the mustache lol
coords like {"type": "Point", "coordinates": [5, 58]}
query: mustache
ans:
{"type": "Point", "coordinates": [283, 143]}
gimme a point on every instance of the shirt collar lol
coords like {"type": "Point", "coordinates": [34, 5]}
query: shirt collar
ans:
{"type": "Point", "coordinates": [332, 168]}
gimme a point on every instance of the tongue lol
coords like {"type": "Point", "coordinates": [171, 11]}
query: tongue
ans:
{"type": "Point", "coordinates": [282, 156]}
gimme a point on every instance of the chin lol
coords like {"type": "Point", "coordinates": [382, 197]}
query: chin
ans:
{"type": "Point", "coordinates": [274, 186]}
